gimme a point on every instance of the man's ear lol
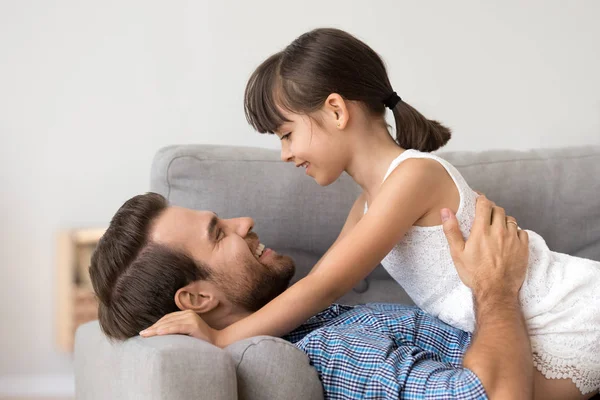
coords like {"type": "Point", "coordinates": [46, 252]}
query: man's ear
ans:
{"type": "Point", "coordinates": [336, 110]}
{"type": "Point", "coordinates": [199, 296]}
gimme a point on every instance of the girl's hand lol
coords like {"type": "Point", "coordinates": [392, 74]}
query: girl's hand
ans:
{"type": "Point", "coordinates": [182, 322]}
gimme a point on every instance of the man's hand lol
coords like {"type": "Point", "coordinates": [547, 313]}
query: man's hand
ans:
{"type": "Point", "coordinates": [496, 254]}
{"type": "Point", "coordinates": [493, 263]}
{"type": "Point", "coordinates": [182, 322]}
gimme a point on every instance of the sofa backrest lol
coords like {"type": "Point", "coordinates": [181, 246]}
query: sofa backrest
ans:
{"type": "Point", "coordinates": [555, 192]}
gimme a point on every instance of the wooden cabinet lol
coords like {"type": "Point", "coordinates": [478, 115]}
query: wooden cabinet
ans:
{"type": "Point", "coordinates": [75, 299]}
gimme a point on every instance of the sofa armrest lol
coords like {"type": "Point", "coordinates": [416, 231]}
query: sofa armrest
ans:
{"type": "Point", "coordinates": [270, 368]}
{"type": "Point", "coordinates": [156, 368]}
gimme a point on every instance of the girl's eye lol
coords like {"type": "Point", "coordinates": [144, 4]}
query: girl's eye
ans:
{"type": "Point", "coordinates": [286, 136]}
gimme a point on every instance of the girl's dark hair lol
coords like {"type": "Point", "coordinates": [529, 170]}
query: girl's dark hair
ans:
{"type": "Point", "coordinates": [325, 61]}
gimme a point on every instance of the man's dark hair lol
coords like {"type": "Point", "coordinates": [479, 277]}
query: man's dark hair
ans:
{"type": "Point", "coordinates": [134, 279]}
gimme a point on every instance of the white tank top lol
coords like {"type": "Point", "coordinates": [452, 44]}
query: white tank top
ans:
{"type": "Point", "coordinates": [560, 297]}
{"type": "Point", "coordinates": [421, 261]}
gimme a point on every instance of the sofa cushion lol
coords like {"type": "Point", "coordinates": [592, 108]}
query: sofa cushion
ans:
{"type": "Point", "coordinates": [156, 368]}
{"type": "Point", "coordinates": [270, 368]}
{"type": "Point", "coordinates": [289, 209]}
{"type": "Point", "coordinates": [551, 191]}
{"type": "Point", "coordinates": [554, 192]}
{"type": "Point", "coordinates": [378, 287]}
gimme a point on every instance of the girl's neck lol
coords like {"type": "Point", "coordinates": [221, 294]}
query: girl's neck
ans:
{"type": "Point", "coordinates": [373, 151]}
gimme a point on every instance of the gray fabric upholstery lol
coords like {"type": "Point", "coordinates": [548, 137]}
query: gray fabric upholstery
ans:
{"type": "Point", "coordinates": [157, 368]}
{"type": "Point", "coordinates": [270, 368]}
{"type": "Point", "coordinates": [553, 192]}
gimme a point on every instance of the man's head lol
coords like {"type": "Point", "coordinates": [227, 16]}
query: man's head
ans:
{"type": "Point", "coordinates": [155, 259]}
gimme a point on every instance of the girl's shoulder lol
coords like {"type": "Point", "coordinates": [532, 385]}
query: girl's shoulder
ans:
{"type": "Point", "coordinates": [429, 170]}
{"type": "Point", "coordinates": [430, 167]}
{"type": "Point", "coordinates": [433, 181]}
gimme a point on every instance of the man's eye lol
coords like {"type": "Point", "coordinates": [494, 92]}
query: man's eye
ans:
{"type": "Point", "coordinates": [286, 136]}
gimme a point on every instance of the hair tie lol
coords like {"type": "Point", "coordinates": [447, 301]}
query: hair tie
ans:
{"type": "Point", "coordinates": [392, 100]}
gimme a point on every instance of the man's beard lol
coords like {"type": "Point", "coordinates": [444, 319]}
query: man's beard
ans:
{"type": "Point", "coordinates": [258, 286]}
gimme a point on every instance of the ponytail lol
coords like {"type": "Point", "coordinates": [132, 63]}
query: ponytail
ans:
{"type": "Point", "coordinates": [414, 131]}
{"type": "Point", "coordinates": [325, 61]}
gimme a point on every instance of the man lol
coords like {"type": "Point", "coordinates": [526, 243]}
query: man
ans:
{"type": "Point", "coordinates": [172, 269]}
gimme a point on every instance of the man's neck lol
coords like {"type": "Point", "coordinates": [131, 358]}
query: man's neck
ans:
{"type": "Point", "coordinates": [220, 319]}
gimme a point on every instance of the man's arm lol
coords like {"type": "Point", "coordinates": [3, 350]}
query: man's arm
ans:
{"type": "Point", "coordinates": [493, 262]}
{"type": "Point", "coordinates": [500, 354]}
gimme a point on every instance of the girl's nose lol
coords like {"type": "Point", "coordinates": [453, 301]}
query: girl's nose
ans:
{"type": "Point", "coordinates": [286, 154]}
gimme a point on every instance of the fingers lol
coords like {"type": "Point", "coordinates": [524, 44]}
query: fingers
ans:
{"type": "Point", "coordinates": [483, 214]}
{"type": "Point", "coordinates": [523, 237]}
{"type": "Point", "coordinates": [499, 217]}
{"type": "Point", "coordinates": [452, 231]}
{"type": "Point", "coordinates": [511, 224]}
{"type": "Point", "coordinates": [164, 328]}
{"type": "Point", "coordinates": [167, 320]}
{"type": "Point", "coordinates": [175, 327]}
{"type": "Point", "coordinates": [184, 323]}
{"type": "Point", "coordinates": [149, 332]}
{"type": "Point", "coordinates": [170, 321]}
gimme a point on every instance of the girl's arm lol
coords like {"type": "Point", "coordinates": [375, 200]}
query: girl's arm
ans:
{"type": "Point", "coordinates": [355, 214]}
{"type": "Point", "coordinates": [410, 192]}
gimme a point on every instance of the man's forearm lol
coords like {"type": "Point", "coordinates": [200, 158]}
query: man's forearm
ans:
{"type": "Point", "coordinates": [500, 354]}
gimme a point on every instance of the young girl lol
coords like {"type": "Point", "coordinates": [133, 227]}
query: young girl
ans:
{"type": "Point", "coordinates": [325, 97]}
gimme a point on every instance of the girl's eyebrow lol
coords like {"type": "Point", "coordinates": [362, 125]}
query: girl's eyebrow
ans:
{"type": "Point", "coordinates": [281, 129]}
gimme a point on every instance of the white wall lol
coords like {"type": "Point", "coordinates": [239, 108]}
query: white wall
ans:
{"type": "Point", "coordinates": [90, 90]}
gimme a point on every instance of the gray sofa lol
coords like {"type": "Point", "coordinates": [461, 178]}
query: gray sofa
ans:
{"type": "Point", "coordinates": [554, 192]}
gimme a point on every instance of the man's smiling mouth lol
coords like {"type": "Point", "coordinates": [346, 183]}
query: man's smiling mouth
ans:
{"type": "Point", "coordinates": [259, 250]}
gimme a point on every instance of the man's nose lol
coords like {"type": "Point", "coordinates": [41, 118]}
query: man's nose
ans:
{"type": "Point", "coordinates": [243, 225]}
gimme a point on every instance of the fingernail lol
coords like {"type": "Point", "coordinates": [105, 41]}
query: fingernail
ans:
{"type": "Point", "coordinates": [445, 214]}
{"type": "Point", "coordinates": [142, 333]}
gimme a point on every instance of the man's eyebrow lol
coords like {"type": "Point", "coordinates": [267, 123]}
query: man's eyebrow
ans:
{"type": "Point", "coordinates": [212, 225]}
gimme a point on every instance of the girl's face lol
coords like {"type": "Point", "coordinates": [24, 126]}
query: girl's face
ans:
{"type": "Point", "coordinates": [314, 146]}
